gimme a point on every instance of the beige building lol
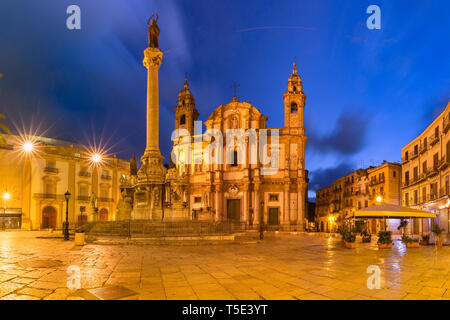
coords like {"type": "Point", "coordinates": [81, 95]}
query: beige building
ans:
{"type": "Point", "coordinates": [238, 190]}
{"type": "Point", "coordinates": [425, 173]}
{"type": "Point", "coordinates": [359, 189]}
{"type": "Point", "coordinates": [33, 183]}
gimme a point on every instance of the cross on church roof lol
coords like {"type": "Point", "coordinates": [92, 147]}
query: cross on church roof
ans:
{"type": "Point", "coordinates": [234, 86]}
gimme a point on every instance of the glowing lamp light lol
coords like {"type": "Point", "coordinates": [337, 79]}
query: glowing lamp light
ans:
{"type": "Point", "coordinates": [379, 199]}
{"type": "Point", "coordinates": [27, 146]}
{"type": "Point", "coordinates": [96, 158]}
{"type": "Point", "coordinates": [6, 196]}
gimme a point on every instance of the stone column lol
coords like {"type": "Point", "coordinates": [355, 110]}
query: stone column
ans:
{"type": "Point", "coordinates": [152, 61]}
{"type": "Point", "coordinates": [257, 207]}
{"type": "Point", "coordinates": [245, 213]}
{"type": "Point", "coordinates": [217, 216]}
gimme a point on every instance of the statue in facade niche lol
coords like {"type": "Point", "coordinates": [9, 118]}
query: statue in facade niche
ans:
{"type": "Point", "coordinates": [93, 200]}
{"type": "Point", "coordinates": [153, 31]}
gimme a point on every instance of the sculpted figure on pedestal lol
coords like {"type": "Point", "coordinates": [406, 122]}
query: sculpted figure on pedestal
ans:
{"type": "Point", "coordinates": [153, 31]}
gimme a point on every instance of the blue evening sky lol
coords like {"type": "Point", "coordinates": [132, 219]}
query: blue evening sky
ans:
{"type": "Point", "coordinates": [369, 92]}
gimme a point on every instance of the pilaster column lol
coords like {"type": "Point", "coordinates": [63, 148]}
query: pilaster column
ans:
{"type": "Point", "coordinates": [286, 211]}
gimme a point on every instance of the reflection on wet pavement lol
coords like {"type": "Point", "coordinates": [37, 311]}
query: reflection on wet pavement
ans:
{"type": "Point", "coordinates": [281, 267]}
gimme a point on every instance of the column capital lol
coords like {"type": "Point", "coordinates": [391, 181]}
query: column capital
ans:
{"type": "Point", "coordinates": [152, 58]}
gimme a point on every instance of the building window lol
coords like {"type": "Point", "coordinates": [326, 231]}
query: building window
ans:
{"type": "Point", "coordinates": [366, 203]}
{"type": "Point", "coordinates": [424, 194]}
{"type": "Point", "coordinates": [415, 197]}
{"type": "Point", "coordinates": [394, 174]}
{"type": "Point", "coordinates": [407, 177]}
{"type": "Point", "coordinates": [406, 155]}
{"type": "Point", "coordinates": [273, 197]}
{"type": "Point", "coordinates": [294, 108]}
{"type": "Point", "coordinates": [183, 119]}
{"type": "Point", "coordinates": [83, 191]}
{"type": "Point", "coordinates": [407, 199]}
{"type": "Point", "coordinates": [197, 199]}
{"type": "Point", "coordinates": [424, 167]}
{"type": "Point", "coordinates": [235, 159]}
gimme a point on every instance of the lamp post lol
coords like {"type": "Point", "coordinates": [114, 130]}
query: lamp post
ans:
{"type": "Point", "coordinates": [66, 224]}
{"type": "Point", "coordinates": [261, 222]}
{"type": "Point", "coordinates": [6, 197]}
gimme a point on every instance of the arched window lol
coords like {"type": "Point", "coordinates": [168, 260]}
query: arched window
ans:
{"type": "Point", "coordinates": [183, 119]}
{"type": "Point", "coordinates": [294, 89]}
{"type": "Point", "coordinates": [294, 107]}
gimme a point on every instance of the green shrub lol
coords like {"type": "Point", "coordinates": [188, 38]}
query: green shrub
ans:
{"type": "Point", "coordinates": [426, 237]}
{"type": "Point", "coordinates": [437, 230]}
{"type": "Point", "coordinates": [385, 237]}
{"type": "Point", "coordinates": [407, 239]}
{"type": "Point", "coordinates": [350, 237]}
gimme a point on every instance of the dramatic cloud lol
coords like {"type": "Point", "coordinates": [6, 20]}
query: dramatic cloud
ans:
{"type": "Point", "coordinates": [324, 177]}
{"type": "Point", "coordinates": [348, 136]}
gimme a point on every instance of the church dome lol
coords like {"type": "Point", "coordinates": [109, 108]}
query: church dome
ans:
{"type": "Point", "coordinates": [185, 97]}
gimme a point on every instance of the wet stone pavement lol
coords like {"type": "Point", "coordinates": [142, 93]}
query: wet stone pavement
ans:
{"type": "Point", "coordinates": [282, 267]}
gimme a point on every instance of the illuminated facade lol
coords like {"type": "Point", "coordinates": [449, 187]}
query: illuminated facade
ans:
{"type": "Point", "coordinates": [425, 173]}
{"type": "Point", "coordinates": [33, 183]}
{"type": "Point", "coordinates": [238, 190]}
{"type": "Point", "coordinates": [360, 189]}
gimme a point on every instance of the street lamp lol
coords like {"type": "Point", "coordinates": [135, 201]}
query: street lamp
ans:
{"type": "Point", "coordinates": [6, 197]}
{"type": "Point", "coordinates": [27, 147]}
{"type": "Point", "coordinates": [96, 158]}
{"type": "Point", "coordinates": [66, 224]}
{"type": "Point", "coordinates": [261, 222]}
{"type": "Point", "coordinates": [379, 199]}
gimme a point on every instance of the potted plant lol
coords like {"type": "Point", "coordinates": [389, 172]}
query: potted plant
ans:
{"type": "Point", "coordinates": [410, 242]}
{"type": "Point", "coordinates": [425, 240]}
{"type": "Point", "coordinates": [350, 240]}
{"type": "Point", "coordinates": [79, 236]}
{"type": "Point", "coordinates": [384, 240]}
{"type": "Point", "coordinates": [366, 237]}
{"type": "Point", "coordinates": [437, 231]}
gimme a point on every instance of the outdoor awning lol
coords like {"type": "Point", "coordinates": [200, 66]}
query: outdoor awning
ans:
{"type": "Point", "coordinates": [391, 211]}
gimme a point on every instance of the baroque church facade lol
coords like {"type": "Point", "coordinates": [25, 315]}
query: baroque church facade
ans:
{"type": "Point", "coordinates": [234, 190]}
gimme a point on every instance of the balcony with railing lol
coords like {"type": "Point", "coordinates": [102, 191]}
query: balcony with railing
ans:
{"type": "Point", "coordinates": [443, 163]}
{"type": "Point", "coordinates": [405, 160]}
{"type": "Point", "coordinates": [446, 125]}
{"type": "Point", "coordinates": [414, 155]}
{"type": "Point", "coordinates": [103, 199]}
{"type": "Point", "coordinates": [423, 148]}
{"type": "Point", "coordinates": [83, 198]}
{"type": "Point", "coordinates": [51, 170]}
{"type": "Point", "coordinates": [84, 174]}
{"type": "Point", "coordinates": [48, 196]}
{"type": "Point", "coordinates": [432, 171]}
{"type": "Point", "coordinates": [434, 139]}
{"type": "Point", "coordinates": [444, 192]}
{"type": "Point", "coordinates": [106, 177]}
{"type": "Point", "coordinates": [376, 181]}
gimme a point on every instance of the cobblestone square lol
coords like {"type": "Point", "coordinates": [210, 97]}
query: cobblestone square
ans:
{"type": "Point", "coordinates": [280, 267]}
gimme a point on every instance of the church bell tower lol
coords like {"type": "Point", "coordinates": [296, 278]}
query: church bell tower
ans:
{"type": "Point", "coordinates": [294, 104]}
{"type": "Point", "coordinates": [185, 112]}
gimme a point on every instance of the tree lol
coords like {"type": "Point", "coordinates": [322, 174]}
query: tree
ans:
{"type": "Point", "coordinates": [3, 129]}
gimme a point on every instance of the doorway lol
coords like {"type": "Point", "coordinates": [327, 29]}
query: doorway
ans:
{"type": "Point", "coordinates": [234, 209]}
{"type": "Point", "coordinates": [103, 216]}
{"type": "Point", "coordinates": [273, 217]}
{"type": "Point", "coordinates": [49, 218]}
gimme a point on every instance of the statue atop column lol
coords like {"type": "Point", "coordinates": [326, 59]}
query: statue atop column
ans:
{"type": "Point", "coordinates": [153, 31]}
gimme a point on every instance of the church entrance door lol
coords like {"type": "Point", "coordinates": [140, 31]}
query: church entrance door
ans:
{"type": "Point", "coordinates": [234, 209]}
{"type": "Point", "coordinates": [273, 217]}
